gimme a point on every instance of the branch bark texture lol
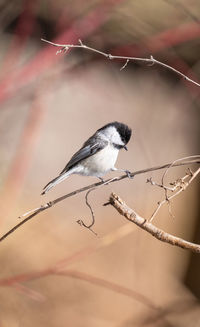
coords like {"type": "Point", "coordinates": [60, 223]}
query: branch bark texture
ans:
{"type": "Point", "coordinates": [161, 235]}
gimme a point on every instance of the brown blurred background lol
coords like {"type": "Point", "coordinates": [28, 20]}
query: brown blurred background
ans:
{"type": "Point", "coordinates": [49, 105]}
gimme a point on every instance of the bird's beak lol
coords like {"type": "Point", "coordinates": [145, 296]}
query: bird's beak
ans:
{"type": "Point", "coordinates": [125, 147]}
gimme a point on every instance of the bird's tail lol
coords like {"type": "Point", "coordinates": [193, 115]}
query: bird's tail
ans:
{"type": "Point", "coordinates": [55, 181]}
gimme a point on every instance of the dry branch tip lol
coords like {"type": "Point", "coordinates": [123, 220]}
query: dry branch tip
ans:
{"type": "Point", "coordinates": [141, 222]}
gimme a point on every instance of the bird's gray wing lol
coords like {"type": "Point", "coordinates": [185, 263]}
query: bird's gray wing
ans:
{"type": "Point", "coordinates": [90, 147]}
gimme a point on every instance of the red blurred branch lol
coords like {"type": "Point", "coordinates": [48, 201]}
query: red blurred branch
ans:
{"type": "Point", "coordinates": [46, 58]}
{"type": "Point", "coordinates": [77, 275]}
{"type": "Point", "coordinates": [62, 264]}
{"type": "Point", "coordinates": [59, 269]}
{"type": "Point", "coordinates": [24, 152]}
{"type": "Point", "coordinates": [109, 285]}
{"type": "Point", "coordinates": [163, 41]}
{"type": "Point", "coordinates": [22, 32]}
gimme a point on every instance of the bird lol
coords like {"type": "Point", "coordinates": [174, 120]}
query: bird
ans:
{"type": "Point", "coordinates": [98, 154]}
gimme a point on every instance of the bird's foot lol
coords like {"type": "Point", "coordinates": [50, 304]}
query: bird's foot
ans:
{"type": "Point", "coordinates": [128, 173]}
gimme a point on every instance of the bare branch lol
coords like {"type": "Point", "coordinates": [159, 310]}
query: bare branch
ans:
{"type": "Point", "coordinates": [161, 235]}
{"type": "Point", "coordinates": [80, 221]}
{"type": "Point", "coordinates": [124, 66]}
{"type": "Point", "coordinates": [180, 185]}
{"type": "Point", "coordinates": [175, 161]}
{"type": "Point", "coordinates": [35, 212]}
{"type": "Point", "coordinates": [151, 60]}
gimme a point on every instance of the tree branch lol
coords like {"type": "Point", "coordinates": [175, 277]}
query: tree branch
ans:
{"type": "Point", "coordinates": [179, 186]}
{"type": "Point", "coordinates": [161, 235]}
{"type": "Point", "coordinates": [35, 212]}
{"type": "Point", "coordinates": [151, 60]}
{"type": "Point", "coordinates": [80, 221]}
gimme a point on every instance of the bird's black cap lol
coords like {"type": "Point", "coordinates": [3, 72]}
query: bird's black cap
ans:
{"type": "Point", "coordinates": [124, 131]}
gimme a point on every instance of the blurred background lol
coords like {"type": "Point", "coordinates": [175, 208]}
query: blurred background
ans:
{"type": "Point", "coordinates": [49, 105]}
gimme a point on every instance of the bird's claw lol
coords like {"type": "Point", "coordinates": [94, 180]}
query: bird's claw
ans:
{"type": "Point", "coordinates": [128, 173]}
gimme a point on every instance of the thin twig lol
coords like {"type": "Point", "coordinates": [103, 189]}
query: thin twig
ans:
{"type": "Point", "coordinates": [195, 159]}
{"type": "Point", "coordinates": [174, 162]}
{"type": "Point", "coordinates": [80, 221]}
{"type": "Point", "coordinates": [150, 181]}
{"type": "Point", "coordinates": [182, 185]}
{"type": "Point", "coordinates": [179, 184]}
{"type": "Point", "coordinates": [161, 235]}
{"type": "Point", "coordinates": [124, 66]}
{"type": "Point", "coordinates": [151, 60]}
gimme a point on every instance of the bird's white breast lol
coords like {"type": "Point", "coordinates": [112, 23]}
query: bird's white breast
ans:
{"type": "Point", "coordinates": [101, 162]}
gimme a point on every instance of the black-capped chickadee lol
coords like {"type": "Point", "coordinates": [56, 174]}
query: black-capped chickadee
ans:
{"type": "Point", "coordinates": [97, 155]}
